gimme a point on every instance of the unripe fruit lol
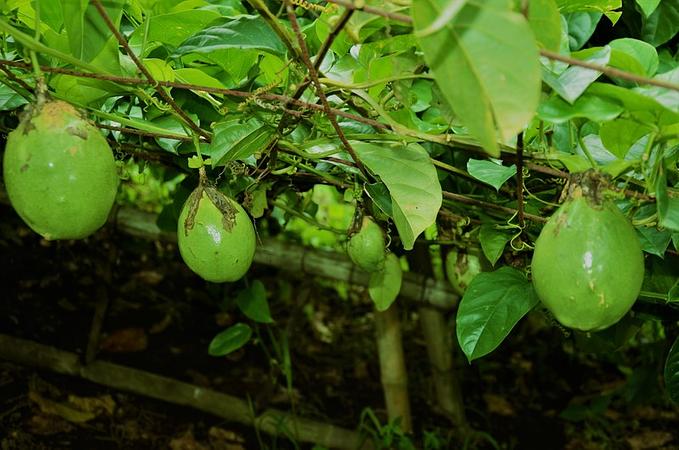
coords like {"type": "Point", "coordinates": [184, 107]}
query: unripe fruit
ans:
{"type": "Point", "coordinates": [215, 236]}
{"type": "Point", "coordinates": [367, 247]}
{"type": "Point", "coordinates": [461, 269]}
{"type": "Point", "coordinates": [59, 172]}
{"type": "Point", "coordinates": [588, 265]}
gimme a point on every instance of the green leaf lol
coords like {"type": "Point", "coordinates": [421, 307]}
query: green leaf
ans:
{"type": "Point", "coordinates": [492, 304]}
{"type": "Point", "coordinates": [619, 135]}
{"type": "Point", "coordinates": [230, 340]}
{"type": "Point", "coordinates": [380, 196]}
{"type": "Point", "coordinates": [413, 184]}
{"type": "Point", "coordinates": [653, 240]}
{"type": "Point", "coordinates": [171, 29]}
{"type": "Point", "coordinates": [485, 61]}
{"type": "Point", "coordinates": [235, 140]}
{"type": "Point", "coordinates": [493, 241]}
{"type": "Point", "coordinates": [490, 172]}
{"type": "Point", "coordinates": [594, 108]}
{"type": "Point", "coordinates": [575, 80]}
{"type": "Point", "coordinates": [636, 104]}
{"type": "Point", "coordinates": [9, 99]}
{"type": "Point", "coordinates": [633, 55]}
{"type": "Point", "coordinates": [545, 21]}
{"type": "Point", "coordinates": [647, 6]}
{"type": "Point", "coordinates": [668, 207]}
{"type": "Point", "coordinates": [607, 7]}
{"type": "Point", "coordinates": [669, 98]}
{"type": "Point", "coordinates": [671, 372]}
{"type": "Point", "coordinates": [242, 33]}
{"type": "Point", "coordinates": [87, 32]}
{"type": "Point", "coordinates": [385, 284]}
{"type": "Point", "coordinates": [662, 24]}
{"type": "Point", "coordinates": [252, 302]}
{"type": "Point", "coordinates": [581, 26]}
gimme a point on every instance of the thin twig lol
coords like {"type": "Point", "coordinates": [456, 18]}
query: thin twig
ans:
{"type": "Point", "coordinates": [150, 134]}
{"type": "Point", "coordinates": [319, 89]}
{"type": "Point", "coordinates": [519, 179]}
{"type": "Point", "coordinates": [209, 89]}
{"type": "Point", "coordinates": [164, 95]}
{"type": "Point", "coordinates": [472, 201]}
{"type": "Point", "coordinates": [610, 71]}
{"type": "Point", "coordinates": [16, 79]}
{"type": "Point", "coordinates": [332, 36]}
{"type": "Point", "coordinates": [372, 10]}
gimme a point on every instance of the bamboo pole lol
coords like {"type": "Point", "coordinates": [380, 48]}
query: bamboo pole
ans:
{"type": "Point", "coordinates": [392, 367]}
{"type": "Point", "coordinates": [228, 407]}
{"type": "Point", "coordinates": [303, 260]}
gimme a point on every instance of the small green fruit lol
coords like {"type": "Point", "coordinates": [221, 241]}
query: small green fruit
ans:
{"type": "Point", "coordinates": [385, 284]}
{"type": "Point", "coordinates": [461, 269]}
{"type": "Point", "coordinates": [59, 172]}
{"type": "Point", "coordinates": [367, 247]}
{"type": "Point", "coordinates": [588, 266]}
{"type": "Point", "coordinates": [216, 242]}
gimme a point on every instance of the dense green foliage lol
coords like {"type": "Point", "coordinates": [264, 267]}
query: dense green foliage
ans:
{"type": "Point", "coordinates": [467, 117]}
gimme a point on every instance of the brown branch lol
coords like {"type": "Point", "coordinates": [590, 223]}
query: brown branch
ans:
{"type": "Point", "coordinates": [487, 205]}
{"type": "Point", "coordinates": [610, 71]}
{"type": "Point", "coordinates": [519, 179]}
{"type": "Point", "coordinates": [16, 79]}
{"type": "Point", "coordinates": [194, 87]}
{"type": "Point", "coordinates": [319, 89]}
{"type": "Point", "coordinates": [164, 95]}
{"type": "Point", "coordinates": [332, 36]}
{"type": "Point", "coordinates": [372, 10]}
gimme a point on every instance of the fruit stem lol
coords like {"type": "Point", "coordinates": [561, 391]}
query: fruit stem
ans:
{"type": "Point", "coordinates": [585, 150]}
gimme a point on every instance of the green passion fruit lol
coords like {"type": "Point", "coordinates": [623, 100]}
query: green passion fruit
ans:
{"type": "Point", "coordinates": [215, 236]}
{"type": "Point", "coordinates": [588, 265]}
{"type": "Point", "coordinates": [367, 247]}
{"type": "Point", "coordinates": [59, 172]}
{"type": "Point", "coordinates": [461, 269]}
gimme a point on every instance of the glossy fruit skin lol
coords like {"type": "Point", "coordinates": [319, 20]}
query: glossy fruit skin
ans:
{"type": "Point", "coordinates": [367, 247]}
{"type": "Point", "coordinates": [208, 248]}
{"type": "Point", "coordinates": [59, 172]}
{"type": "Point", "coordinates": [588, 265]}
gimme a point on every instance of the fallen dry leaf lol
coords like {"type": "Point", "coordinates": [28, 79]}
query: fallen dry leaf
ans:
{"type": "Point", "coordinates": [125, 340]}
{"type": "Point", "coordinates": [649, 439]}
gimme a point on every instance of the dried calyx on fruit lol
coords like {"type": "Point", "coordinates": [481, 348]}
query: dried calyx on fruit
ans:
{"type": "Point", "coordinates": [215, 235]}
{"type": "Point", "coordinates": [588, 265]}
{"type": "Point", "coordinates": [59, 171]}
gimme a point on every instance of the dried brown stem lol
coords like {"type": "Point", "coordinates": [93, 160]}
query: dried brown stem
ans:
{"type": "Point", "coordinates": [319, 90]}
{"type": "Point", "coordinates": [519, 180]}
{"type": "Point", "coordinates": [164, 95]}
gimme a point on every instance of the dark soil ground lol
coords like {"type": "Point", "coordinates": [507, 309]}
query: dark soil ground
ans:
{"type": "Point", "coordinates": [539, 390]}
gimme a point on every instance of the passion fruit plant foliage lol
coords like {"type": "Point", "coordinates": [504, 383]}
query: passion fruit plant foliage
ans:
{"type": "Point", "coordinates": [470, 115]}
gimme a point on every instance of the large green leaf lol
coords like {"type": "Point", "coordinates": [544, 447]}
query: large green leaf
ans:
{"type": "Point", "coordinates": [633, 55]}
{"type": "Point", "coordinates": [242, 33]}
{"type": "Point", "coordinates": [9, 99]}
{"type": "Point", "coordinates": [412, 181]}
{"type": "Point", "coordinates": [663, 24]}
{"type": "Point", "coordinates": [653, 240]}
{"type": "Point", "coordinates": [171, 29]}
{"type": "Point", "coordinates": [87, 32]}
{"type": "Point", "coordinates": [485, 61]}
{"type": "Point", "coordinates": [235, 139]}
{"type": "Point", "coordinates": [619, 135]}
{"type": "Point", "coordinates": [648, 6]}
{"type": "Point", "coordinates": [591, 107]}
{"type": "Point", "coordinates": [668, 207]}
{"type": "Point", "coordinates": [493, 241]}
{"type": "Point", "coordinates": [672, 372]}
{"type": "Point", "coordinates": [575, 80]}
{"type": "Point", "coordinates": [545, 21]}
{"type": "Point", "coordinates": [607, 7]}
{"type": "Point", "coordinates": [492, 304]}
